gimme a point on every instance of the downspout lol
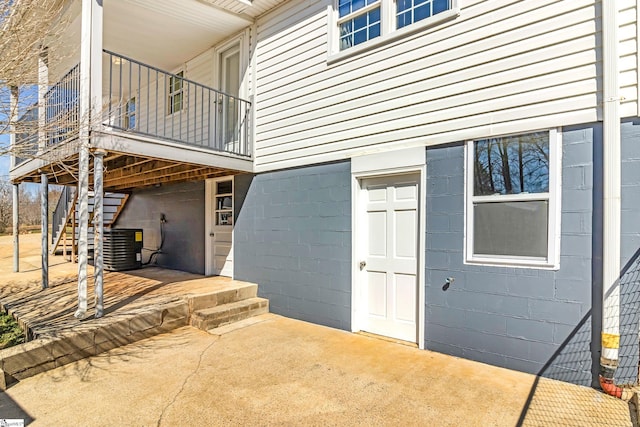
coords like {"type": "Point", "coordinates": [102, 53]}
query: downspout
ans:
{"type": "Point", "coordinates": [610, 336]}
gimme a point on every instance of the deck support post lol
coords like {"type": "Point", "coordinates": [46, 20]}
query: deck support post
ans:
{"type": "Point", "coordinates": [43, 87]}
{"type": "Point", "coordinates": [89, 114]}
{"type": "Point", "coordinates": [98, 227]}
{"type": "Point", "coordinates": [44, 227]}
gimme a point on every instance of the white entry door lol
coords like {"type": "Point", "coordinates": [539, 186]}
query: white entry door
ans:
{"type": "Point", "coordinates": [388, 280]}
{"type": "Point", "coordinates": [221, 232]}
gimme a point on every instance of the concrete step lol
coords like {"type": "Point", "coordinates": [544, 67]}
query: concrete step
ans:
{"type": "Point", "coordinates": [225, 314]}
{"type": "Point", "coordinates": [237, 292]}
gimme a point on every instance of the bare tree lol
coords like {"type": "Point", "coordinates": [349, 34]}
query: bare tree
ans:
{"type": "Point", "coordinates": [26, 27]}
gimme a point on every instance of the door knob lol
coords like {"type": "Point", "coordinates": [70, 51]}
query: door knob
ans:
{"type": "Point", "coordinates": [363, 264]}
{"type": "Point", "coordinates": [212, 234]}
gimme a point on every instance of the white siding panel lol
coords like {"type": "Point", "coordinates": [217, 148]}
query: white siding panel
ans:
{"type": "Point", "coordinates": [501, 66]}
{"type": "Point", "coordinates": [520, 79]}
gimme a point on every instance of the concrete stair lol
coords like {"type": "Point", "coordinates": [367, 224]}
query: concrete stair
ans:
{"type": "Point", "coordinates": [228, 313]}
{"type": "Point", "coordinates": [223, 307]}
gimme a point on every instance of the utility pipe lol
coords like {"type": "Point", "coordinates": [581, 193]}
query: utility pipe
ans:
{"type": "Point", "coordinates": [610, 336]}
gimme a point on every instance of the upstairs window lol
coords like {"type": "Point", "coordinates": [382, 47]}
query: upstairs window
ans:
{"type": "Point", "coordinates": [513, 200]}
{"type": "Point", "coordinates": [130, 114]}
{"type": "Point", "coordinates": [175, 92]}
{"type": "Point", "coordinates": [410, 11]}
{"type": "Point", "coordinates": [359, 21]}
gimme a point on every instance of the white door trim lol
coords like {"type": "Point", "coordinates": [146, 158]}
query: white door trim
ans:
{"type": "Point", "coordinates": [401, 162]}
{"type": "Point", "coordinates": [208, 223]}
{"type": "Point", "coordinates": [209, 265]}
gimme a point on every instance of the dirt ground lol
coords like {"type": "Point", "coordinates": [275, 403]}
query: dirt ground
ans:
{"type": "Point", "coordinates": [283, 372]}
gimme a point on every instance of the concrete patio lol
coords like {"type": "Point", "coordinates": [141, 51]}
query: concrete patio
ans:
{"type": "Point", "coordinates": [282, 372]}
{"type": "Point", "coordinates": [137, 304]}
{"type": "Point", "coordinates": [267, 370]}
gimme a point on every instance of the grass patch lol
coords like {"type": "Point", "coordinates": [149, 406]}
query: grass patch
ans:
{"type": "Point", "coordinates": [10, 333]}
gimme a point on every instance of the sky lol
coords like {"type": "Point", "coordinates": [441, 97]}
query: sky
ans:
{"type": "Point", "coordinates": [4, 160]}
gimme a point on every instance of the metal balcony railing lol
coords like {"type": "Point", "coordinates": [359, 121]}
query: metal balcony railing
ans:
{"type": "Point", "coordinates": [62, 108]}
{"type": "Point", "coordinates": [26, 135]}
{"type": "Point", "coordinates": [146, 100]}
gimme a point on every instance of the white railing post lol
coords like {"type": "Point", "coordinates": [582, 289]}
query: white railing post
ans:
{"type": "Point", "coordinates": [43, 87]}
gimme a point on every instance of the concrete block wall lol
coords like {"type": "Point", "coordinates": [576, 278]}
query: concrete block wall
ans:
{"type": "Point", "coordinates": [183, 206]}
{"type": "Point", "coordinates": [293, 237]}
{"type": "Point", "coordinates": [532, 320]}
{"type": "Point", "coordinates": [630, 251]}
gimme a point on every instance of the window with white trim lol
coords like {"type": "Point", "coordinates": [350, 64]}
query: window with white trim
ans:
{"type": "Point", "coordinates": [176, 93]}
{"type": "Point", "coordinates": [361, 20]}
{"type": "Point", "coordinates": [513, 200]}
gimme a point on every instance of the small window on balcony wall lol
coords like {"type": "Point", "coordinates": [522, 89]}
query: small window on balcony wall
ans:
{"type": "Point", "coordinates": [176, 93]}
{"type": "Point", "coordinates": [513, 200]}
{"type": "Point", "coordinates": [130, 114]}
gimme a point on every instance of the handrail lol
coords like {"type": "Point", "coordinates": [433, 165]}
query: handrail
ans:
{"type": "Point", "coordinates": [62, 108]}
{"type": "Point", "coordinates": [61, 211]}
{"type": "Point", "coordinates": [146, 100]}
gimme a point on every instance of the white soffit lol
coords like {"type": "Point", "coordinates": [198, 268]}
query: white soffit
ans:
{"type": "Point", "coordinates": [166, 33]}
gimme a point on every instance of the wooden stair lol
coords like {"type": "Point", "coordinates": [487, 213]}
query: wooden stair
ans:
{"type": "Point", "coordinates": [67, 220]}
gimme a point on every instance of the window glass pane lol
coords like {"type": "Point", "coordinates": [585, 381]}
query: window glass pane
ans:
{"type": "Point", "coordinates": [346, 7]}
{"type": "Point", "coordinates": [374, 16]}
{"type": "Point", "coordinates": [345, 42]}
{"type": "Point", "coordinates": [374, 31]}
{"type": "Point", "coordinates": [512, 164]}
{"type": "Point", "coordinates": [360, 22]}
{"type": "Point", "coordinates": [511, 228]}
{"type": "Point", "coordinates": [422, 12]}
{"type": "Point", "coordinates": [224, 187]}
{"type": "Point", "coordinates": [440, 6]}
{"type": "Point", "coordinates": [403, 5]}
{"type": "Point", "coordinates": [359, 37]}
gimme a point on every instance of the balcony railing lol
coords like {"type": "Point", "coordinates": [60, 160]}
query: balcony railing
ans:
{"type": "Point", "coordinates": [146, 100]}
{"type": "Point", "coordinates": [26, 135]}
{"type": "Point", "coordinates": [143, 100]}
{"type": "Point", "coordinates": [62, 108]}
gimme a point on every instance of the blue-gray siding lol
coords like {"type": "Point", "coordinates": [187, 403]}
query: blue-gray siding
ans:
{"type": "Point", "coordinates": [183, 207]}
{"type": "Point", "coordinates": [293, 237]}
